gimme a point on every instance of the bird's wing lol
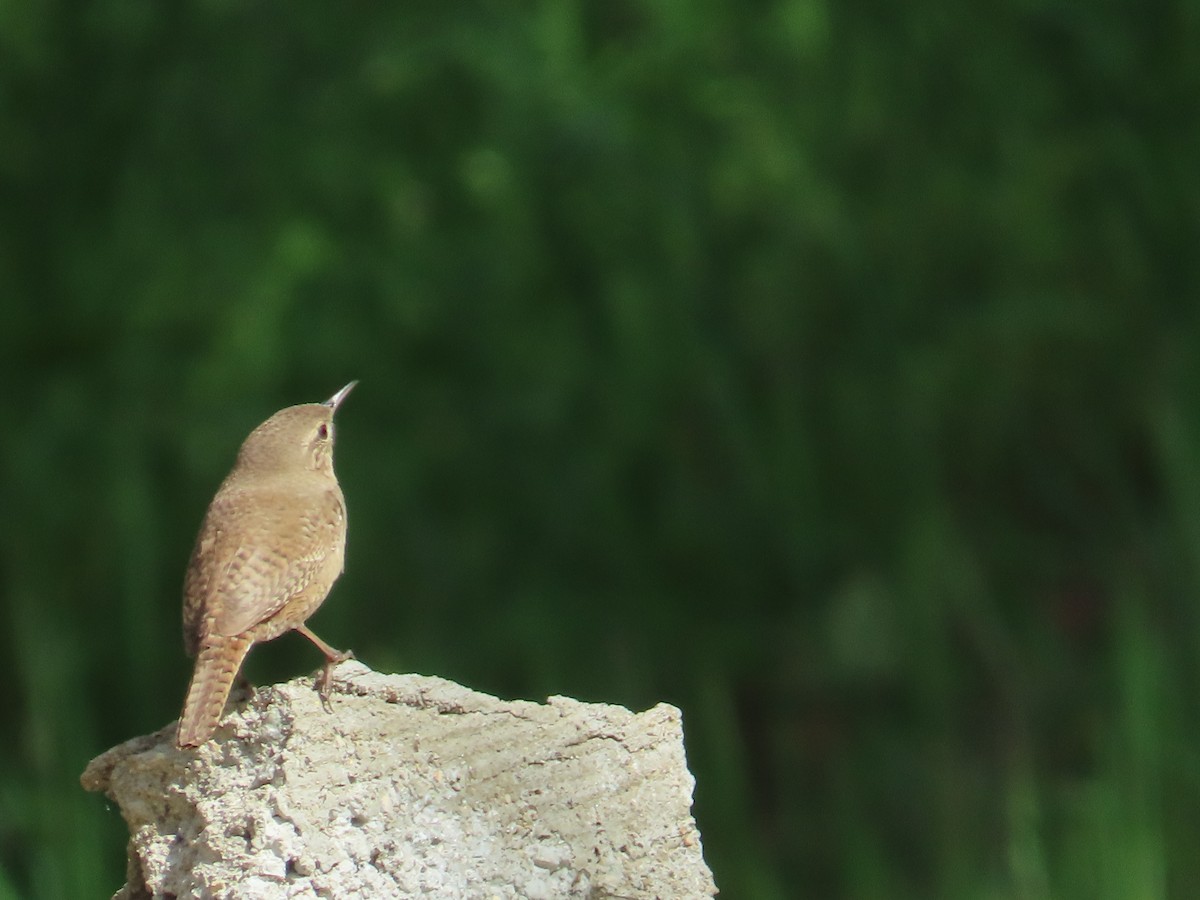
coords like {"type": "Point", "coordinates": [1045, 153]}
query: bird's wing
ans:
{"type": "Point", "coordinates": [261, 554]}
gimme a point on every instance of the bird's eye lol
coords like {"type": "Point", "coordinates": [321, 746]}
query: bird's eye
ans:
{"type": "Point", "coordinates": [323, 431]}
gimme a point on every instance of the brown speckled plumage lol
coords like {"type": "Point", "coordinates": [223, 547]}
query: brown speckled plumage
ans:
{"type": "Point", "coordinates": [271, 546]}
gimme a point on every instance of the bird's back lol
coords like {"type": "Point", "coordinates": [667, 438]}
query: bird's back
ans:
{"type": "Point", "coordinates": [261, 546]}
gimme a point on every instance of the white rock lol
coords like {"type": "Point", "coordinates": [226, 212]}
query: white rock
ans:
{"type": "Point", "coordinates": [410, 785]}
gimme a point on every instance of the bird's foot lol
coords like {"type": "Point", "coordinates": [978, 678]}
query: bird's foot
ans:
{"type": "Point", "coordinates": [324, 682]}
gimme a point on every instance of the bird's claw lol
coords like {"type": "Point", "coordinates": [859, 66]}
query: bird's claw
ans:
{"type": "Point", "coordinates": [325, 681]}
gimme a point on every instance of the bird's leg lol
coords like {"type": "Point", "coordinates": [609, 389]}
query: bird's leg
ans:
{"type": "Point", "coordinates": [332, 658]}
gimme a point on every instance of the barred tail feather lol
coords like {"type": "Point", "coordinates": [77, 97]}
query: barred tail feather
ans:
{"type": "Point", "coordinates": [217, 665]}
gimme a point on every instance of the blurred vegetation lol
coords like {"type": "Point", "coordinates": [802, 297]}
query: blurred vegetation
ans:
{"type": "Point", "coordinates": [828, 370]}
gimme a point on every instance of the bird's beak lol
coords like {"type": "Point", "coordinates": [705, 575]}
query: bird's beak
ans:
{"type": "Point", "coordinates": [336, 400]}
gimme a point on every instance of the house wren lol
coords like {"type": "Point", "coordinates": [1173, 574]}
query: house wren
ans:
{"type": "Point", "coordinates": [270, 548]}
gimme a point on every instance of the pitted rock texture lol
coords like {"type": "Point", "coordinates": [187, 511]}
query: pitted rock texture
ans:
{"type": "Point", "coordinates": [410, 786]}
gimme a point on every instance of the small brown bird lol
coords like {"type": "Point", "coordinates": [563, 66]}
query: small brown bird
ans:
{"type": "Point", "coordinates": [271, 546]}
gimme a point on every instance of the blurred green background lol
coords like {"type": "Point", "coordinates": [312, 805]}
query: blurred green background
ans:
{"type": "Point", "coordinates": [826, 369]}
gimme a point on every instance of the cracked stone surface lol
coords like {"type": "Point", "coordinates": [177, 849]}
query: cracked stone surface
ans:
{"type": "Point", "coordinates": [410, 786]}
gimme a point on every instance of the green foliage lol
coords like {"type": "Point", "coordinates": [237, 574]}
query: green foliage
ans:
{"type": "Point", "coordinates": [824, 369]}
